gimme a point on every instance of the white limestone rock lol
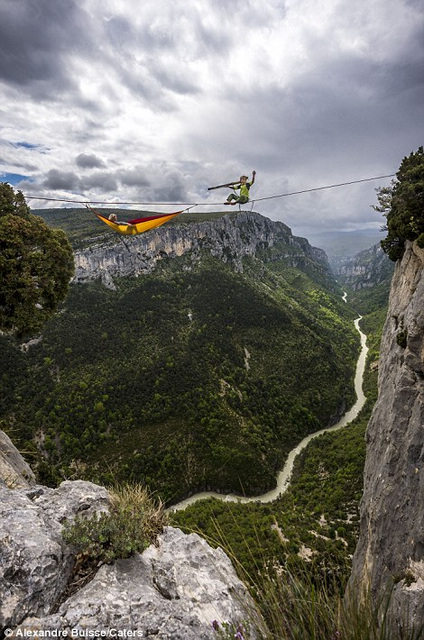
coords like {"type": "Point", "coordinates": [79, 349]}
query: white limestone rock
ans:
{"type": "Point", "coordinates": [15, 473]}
{"type": "Point", "coordinates": [172, 591]}
{"type": "Point", "coordinates": [230, 238]}
{"type": "Point", "coordinates": [391, 542]}
{"type": "Point", "coordinates": [35, 563]}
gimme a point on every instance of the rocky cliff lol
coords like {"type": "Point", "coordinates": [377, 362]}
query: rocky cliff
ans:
{"type": "Point", "coordinates": [390, 551]}
{"type": "Point", "coordinates": [366, 269]}
{"type": "Point", "coordinates": [14, 471]}
{"type": "Point", "coordinates": [229, 238]}
{"type": "Point", "coordinates": [174, 590]}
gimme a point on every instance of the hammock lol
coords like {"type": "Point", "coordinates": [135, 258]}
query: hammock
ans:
{"type": "Point", "coordinates": [138, 225]}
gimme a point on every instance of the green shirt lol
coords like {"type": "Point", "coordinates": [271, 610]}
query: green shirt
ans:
{"type": "Point", "coordinates": [244, 188]}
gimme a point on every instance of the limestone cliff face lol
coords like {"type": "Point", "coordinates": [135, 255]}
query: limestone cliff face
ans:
{"type": "Point", "coordinates": [230, 238]}
{"type": "Point", "coordinates": [391, 545]}
{"type": "Point", "coordinates": [14, 471]}
{"type": "Point", "coordinates": [366, 269]}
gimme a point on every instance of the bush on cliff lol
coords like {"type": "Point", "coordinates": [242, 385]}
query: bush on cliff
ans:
{"type": "Point", "coordinates": [132, 523]}
{"type": "Point", "coordinates": [36, 265]}
{"type": "Point", "coordinates": [403, 205]}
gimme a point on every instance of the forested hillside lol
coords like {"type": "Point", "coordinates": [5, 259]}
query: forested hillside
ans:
{"type": "Point", "coordinates": [312, 529]}
{"type": "Point", "coordinates": [195, 376]}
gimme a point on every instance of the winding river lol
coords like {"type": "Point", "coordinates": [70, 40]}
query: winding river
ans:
{"type": "Point", "coordinates": [283, 478]}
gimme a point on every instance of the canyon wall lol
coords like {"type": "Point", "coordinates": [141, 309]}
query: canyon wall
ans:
{"type": "Point", "coordinates": [389, 558]}
{"type": "Point", "coordinates": [365, 270]}
{"type": "Point", "coordinates": [230, 238]}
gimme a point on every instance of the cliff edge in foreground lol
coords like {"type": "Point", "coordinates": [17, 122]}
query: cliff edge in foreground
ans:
{"type": "Point", "coordinates": [390, 551]}
{"type": "Point", "coordinates": [174, 590]}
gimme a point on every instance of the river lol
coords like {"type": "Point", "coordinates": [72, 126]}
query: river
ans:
{"type": "Point", "coordinates": [283, 478]}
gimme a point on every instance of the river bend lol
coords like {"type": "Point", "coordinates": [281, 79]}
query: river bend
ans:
{"type": "Point", "coordinates": [283, 478]}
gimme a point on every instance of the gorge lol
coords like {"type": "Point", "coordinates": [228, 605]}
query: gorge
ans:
{"type": "Point", "coordinates": [189, 381]}
{"type": "Point", "coordinates": [283, 478]}
{"type": "Point", "coordinates": [389, 554]}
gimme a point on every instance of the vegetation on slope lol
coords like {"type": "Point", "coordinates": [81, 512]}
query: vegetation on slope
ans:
{"type": "Point", "coordinates": [310, 532]}
{"type": "Point", "coordinates": [36, 264]}
{"type": "Point", "coordinates": [402, 204]}
{"type": "Point", "coordinates": [185, 379]}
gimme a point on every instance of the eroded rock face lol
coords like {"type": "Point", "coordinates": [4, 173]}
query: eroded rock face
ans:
{"type": "Point", "coordinates": [365, 270]}
{"type": "Point", "coordinates": [35, 563]}
{"type": "Point", "coordinates": [230, 238]}
{"type": "Point", "coordinates": [174, 591]}
{"type": "Point", "coordinates": [14, 471]}
{"type": "Point", "coordinates": [391, 544]}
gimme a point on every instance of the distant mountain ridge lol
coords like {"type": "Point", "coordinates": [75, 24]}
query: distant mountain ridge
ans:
{"type": "Point", "coordinates": [366, 269]}
{"type": "Point", "coordinates": [231, 238]}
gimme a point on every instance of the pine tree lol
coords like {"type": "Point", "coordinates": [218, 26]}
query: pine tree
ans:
{"type": "Point", "coordinates": [36, 265]}
{"type": "Point", "coordinates": [403, 205]}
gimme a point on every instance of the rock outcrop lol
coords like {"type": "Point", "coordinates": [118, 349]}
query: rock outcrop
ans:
{"type": "Point", "coordinates": [14, 471]}
{"type": "Point", "coordinates": [36, 564]}
{"type": "Point", "coordinates": [173, 590]}
{"type": "Point", "coordinates": [390, 551]}
{"type": "Point", "coordinates": [230, 238]}
{"type": "Point", "coordinates": [365, 270]}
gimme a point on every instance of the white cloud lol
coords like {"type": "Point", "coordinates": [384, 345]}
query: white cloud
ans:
{"type": "Point", "coordinates": [122, 100]}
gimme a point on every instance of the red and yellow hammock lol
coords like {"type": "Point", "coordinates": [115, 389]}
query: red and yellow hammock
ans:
{"type": "Point", "coordinates": [138, 225]}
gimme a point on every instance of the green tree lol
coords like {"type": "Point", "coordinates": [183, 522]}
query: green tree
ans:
{"type": "Point", "coordinates": [403, 205]}
{"type": "Point", "coordinates": [36, 265]}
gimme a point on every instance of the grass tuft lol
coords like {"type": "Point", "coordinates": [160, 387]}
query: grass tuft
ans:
{"type": "Point", "coordinates": [133, 522]}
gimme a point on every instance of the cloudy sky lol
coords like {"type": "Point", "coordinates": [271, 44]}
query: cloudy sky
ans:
{"type": "Point", "coordinates": [155, 100]}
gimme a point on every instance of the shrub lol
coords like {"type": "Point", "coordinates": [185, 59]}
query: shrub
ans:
{"type": "Point", "coordinates": [420, 241]}
{"type": "Point", "coordinates": [36, 265]}
{"type": "Point", "coordinates": [402, 204]}
{"type": "Point", "coordinates": [133, 523]}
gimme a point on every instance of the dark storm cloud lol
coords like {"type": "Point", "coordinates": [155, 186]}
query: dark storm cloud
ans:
{"type": "Point", "coordinates": [156, 100]}
{"type": "Point", "coordinates": [121, 33]}
{"type": "Point", "coordinates": [134, 178]}
{"type": "Point", "coordinates": [35, 38]}
{"type": "Point", "coordinates": [136, 53]}
{"type": "Point", "coordinates": [145, 60]}
{"type": "Point", "coordinates": [151, 56]}
{"type": "Point", "coordinates": [144, 85]}
{"type": "Point", "coordinates": [61, 180]}
{"type": "Point", "coordinates": [170, 193]}
{"type": "Point", "coordinates": [105, 182]}
{"type": "Point", "coordinates": [124, 35]}
{"type": "Point", "coordinates": [170, 189]}
{"type": "Point", "coordinates": [334, 111]}
{"type": "Point", "coordinates": [173, 81]}
{"type": "Point", "coordinates": [89, 161]}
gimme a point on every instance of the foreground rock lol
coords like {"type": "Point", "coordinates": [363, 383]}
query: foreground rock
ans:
{"type": "Point", "coordinates": [14, 471]}
{"type": "Point", "coordinates": [35, 563]}
{"type": "Point", "coordinates": [390, 552]}
{"type": "Point", "coordinates": [174, 590]}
